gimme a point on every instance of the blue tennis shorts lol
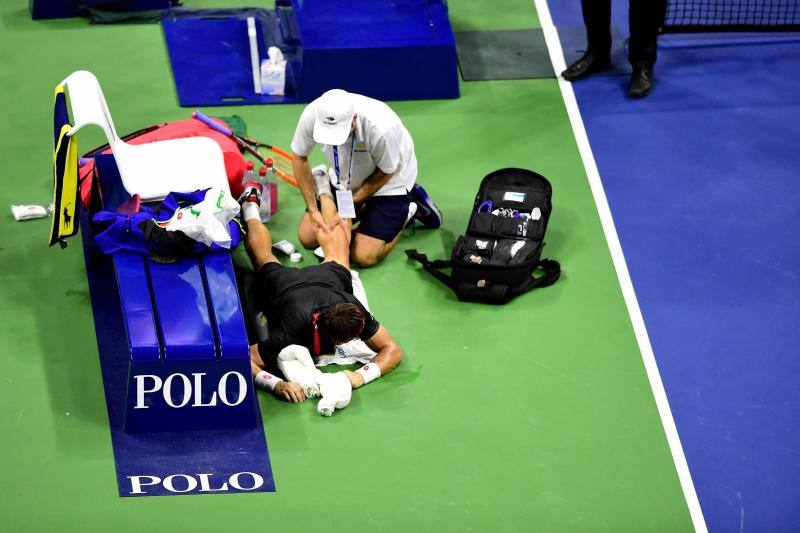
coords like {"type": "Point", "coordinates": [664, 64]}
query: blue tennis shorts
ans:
{"type": "Point", "coordinates": [383, 217]}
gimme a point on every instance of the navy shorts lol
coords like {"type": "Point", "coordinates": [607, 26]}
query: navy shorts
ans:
{"type": "Point", "coordinates": [383, 217]}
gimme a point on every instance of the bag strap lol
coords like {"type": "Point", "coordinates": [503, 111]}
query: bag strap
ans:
{"type": "Point", "coordinates": [552, 271]}
{"type": "Point", "coordinates": [433, 267]}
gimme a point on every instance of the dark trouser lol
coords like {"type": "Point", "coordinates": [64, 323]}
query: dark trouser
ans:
{"type": "Point", "coordinates": [645, 17]}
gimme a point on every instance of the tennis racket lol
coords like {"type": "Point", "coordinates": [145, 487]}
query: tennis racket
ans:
{"type": "Point", "coordinates": [276, 158]}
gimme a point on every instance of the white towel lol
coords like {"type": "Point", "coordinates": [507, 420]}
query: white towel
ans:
{"type": "Point", "coordinates": [336, 392]}
{"type": "Point", "coordinates": [358, 289]}
{"type": "Point", "coordinates": [296, 364]}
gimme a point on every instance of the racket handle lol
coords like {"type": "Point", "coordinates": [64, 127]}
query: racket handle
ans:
{"type": "Point", "coordinates": [214, 125]}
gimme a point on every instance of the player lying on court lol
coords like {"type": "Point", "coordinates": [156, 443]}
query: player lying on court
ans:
{"type": "Point", "coordinates": [313, 307]}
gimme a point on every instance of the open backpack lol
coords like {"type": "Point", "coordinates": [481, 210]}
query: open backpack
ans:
{"type": "Point", "coordinates": [497, 258]}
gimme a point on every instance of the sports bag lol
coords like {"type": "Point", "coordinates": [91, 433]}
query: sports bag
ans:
{"type": "Point", "coordinates": [497, 257]}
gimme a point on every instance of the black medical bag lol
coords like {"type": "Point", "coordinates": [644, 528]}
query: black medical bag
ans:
{"type": "Point", "coordinates": [497, 258]}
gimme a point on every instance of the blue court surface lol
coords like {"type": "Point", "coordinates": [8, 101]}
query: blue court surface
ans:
{"type": "Point", "coordinates": [701, 178]}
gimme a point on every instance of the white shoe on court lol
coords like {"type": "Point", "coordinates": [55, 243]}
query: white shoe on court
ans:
{"type": "Point", "coordinates": [412, 210]}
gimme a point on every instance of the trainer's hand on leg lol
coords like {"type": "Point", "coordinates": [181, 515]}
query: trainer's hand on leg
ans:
{"type": "Point", "coordinates": [291, 392]}
{"type": "Point", "coordinates": [318, 221]}
{"type": "Point", "coordinates": [329, 221]}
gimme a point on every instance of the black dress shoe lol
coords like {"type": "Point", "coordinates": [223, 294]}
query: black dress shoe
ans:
{"type": "Point", "coordinates": [586, 65]}
{"type": "Point", "coordinates": [641, 82]}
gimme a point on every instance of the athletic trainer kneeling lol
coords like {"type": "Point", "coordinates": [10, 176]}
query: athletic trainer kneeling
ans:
{"type": "Point", "coordinates": [312, 306]}
{"type": "Point", "coordinates": [374, 172]}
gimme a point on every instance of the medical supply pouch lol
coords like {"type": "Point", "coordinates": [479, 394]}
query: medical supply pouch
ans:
{"type": "Point", "coordinates": [501, 251]}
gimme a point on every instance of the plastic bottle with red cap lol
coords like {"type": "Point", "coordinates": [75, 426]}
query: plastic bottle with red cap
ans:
{"type": "Point", "coordinates": [249, 175]}
{"type": "Point", "coordinates": [273, 184]}
{"type": "Point", "coordinates": [265, 210]}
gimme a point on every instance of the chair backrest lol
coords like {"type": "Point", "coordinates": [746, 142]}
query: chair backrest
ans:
{"type": "Point", "coordinates": [88, 104]}
{"type": "Point", "coordinates": [151, 170]}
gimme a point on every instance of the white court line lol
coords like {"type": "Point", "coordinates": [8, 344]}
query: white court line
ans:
{"type": "Point", "coordinates": [557, 58]}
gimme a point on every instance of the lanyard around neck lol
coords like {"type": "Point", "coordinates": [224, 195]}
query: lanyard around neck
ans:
{"type": "Point", "coordinates": [350, 165]}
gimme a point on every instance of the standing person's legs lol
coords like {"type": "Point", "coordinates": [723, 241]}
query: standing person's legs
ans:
{"type": "Point", "coordinates": [597, 18]}
{"type": "Point", "coordinates": [645, 19]}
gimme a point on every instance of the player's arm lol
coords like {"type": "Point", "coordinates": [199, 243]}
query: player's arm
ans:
{"type": "Point", "coordinates": [285, 390]}
{"type": "Point", "coordinates": [371, 185]}
{"type": "Point", "coordinates": [302, 173]}
{"type": "Point", "coordinates": [389, 356]}
{"type": "Point", "coordinates": [302, 145]}
{"type": "Point", "coordinates": [385, 152]}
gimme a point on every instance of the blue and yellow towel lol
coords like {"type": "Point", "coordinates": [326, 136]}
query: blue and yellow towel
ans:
{"type": "Point", "coordinates": [65, 173]}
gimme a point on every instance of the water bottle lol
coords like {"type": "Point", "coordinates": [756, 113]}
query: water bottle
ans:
{"type": "Point", "coordinates": [273, 185]}
{"type": "Point", "coordinates": [249, 175]}
{"type": "Point", "coordinates": [265, 210]}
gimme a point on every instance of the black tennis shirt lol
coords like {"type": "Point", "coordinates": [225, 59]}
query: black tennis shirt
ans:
{"type": "Point", "coordinates": [289, 297]}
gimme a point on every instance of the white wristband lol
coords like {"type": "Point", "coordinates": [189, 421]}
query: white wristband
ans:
{"type": "Point", "coordinates": [370, 372]}
{"type": "Point", "coordinates": [265, 380]}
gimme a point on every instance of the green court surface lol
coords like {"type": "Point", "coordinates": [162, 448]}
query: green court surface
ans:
{"type": "Point", "coordinates": [533, 416]}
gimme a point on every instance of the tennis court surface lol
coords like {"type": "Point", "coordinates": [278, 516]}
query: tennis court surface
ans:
{"type": "Point", "coordinates": [539, 415]}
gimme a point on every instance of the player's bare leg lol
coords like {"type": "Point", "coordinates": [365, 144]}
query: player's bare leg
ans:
{"type": "Point", "coordinates": [307, 230]}
{"type": "Point", "coordinates": [336, 241]}
{"type": "Point", "coordinates": [258, 241]}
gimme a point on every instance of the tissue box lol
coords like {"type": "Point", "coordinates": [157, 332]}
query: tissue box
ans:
{"type": "Point", "coordinates": [273, 73]}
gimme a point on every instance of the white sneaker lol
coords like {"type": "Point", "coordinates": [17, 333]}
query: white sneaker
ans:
{"type": "Point", "coordinates": [322, 184]}
{"type": "Point", "coordinates": [412, 210]}
{"type": "Point", "coordinates": [319, 253]}
{"type": "Point", "coordinates": [251, 192]}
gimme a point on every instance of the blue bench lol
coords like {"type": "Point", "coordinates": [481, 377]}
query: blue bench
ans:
{"type": "Point", "coordinates": [187, 357]}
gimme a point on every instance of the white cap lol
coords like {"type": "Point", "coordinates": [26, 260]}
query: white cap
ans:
{"type": "Point", "coordinates": [296, 257]}
{"type": "Point", "coordinates": [335, 112]}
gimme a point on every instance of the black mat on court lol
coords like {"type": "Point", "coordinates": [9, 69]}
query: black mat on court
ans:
{"type": "Point", "coordinates": [522, 54]}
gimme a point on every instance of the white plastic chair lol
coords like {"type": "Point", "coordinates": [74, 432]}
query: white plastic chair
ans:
{"type": "Point", "coordinates": [150, 170]}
